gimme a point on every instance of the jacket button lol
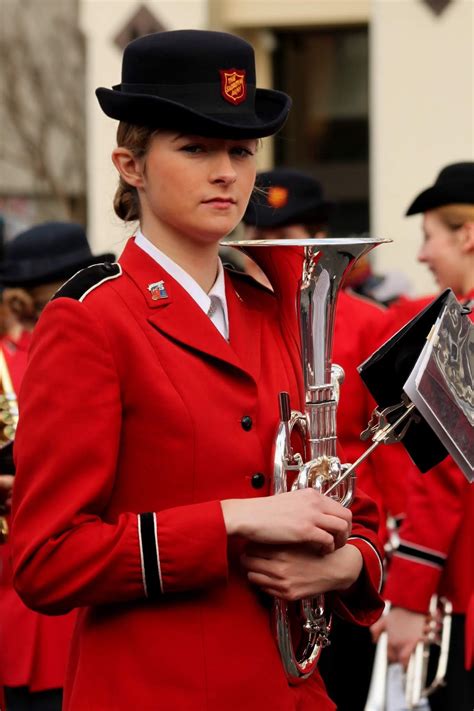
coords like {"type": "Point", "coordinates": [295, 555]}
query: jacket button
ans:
{"type": "Point", "coordinates": [108, 266]}
{"type": "Point", "coordinates": [258, 480]}
{"type": "Point", "coordinates": [246, 422]}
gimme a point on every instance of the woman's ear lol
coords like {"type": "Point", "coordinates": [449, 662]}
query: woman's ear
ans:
{"type": "Point", "coordinates": [129, 166]}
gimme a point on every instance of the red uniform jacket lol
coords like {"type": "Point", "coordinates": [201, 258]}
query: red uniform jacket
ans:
{"type": "Point", "coordinates": [122, 517]}
{"type": "Point", "coordinates": [387, 473]}
{"type": "Point", "coordinates": [436, 539]}
{"type": "Point", "coordinates": [34, 647]}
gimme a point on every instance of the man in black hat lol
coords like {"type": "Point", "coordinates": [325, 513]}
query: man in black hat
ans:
{"type": "Point", "coordinates": [34, 647]}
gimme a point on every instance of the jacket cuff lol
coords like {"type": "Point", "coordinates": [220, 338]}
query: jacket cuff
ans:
{"type": "Point", "coordinates": [411, 582]}
{"type": "Point", "coordinates": [361, 604]}
{"type": "Point", "coordinates": [183, 548]}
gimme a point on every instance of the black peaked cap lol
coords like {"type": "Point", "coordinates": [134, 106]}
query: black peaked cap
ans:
{"type": "Point", "coordinates": [47, 252]}
{"type": "Point", "coordinates": [454, 185]}
{"type": "Point", "coordinates": [286, 197]}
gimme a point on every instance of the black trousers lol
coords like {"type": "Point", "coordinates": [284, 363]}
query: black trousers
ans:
{"type": "Point", "coordinates": [20, 698]}
{"type": "Point", "coordinates": [346, 665]}
{"type": "Point", "coordinates": [458, 694]}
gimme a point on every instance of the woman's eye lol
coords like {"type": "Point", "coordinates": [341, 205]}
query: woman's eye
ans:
{"type": "Point", "coordinates": [192, 148]}
{"type": "Point", "coordinates": [241, 151]}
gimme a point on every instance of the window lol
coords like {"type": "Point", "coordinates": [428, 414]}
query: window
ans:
{"type": "Point", "coordinates": [326, 73]}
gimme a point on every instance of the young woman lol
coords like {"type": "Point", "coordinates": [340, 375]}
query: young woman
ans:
{"type": "Point", "coordinates": [435, 552]}
{"type": "Point", "coordinates": [159, 378]}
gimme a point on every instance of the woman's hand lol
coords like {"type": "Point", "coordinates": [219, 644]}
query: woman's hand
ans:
{"type": "Point", "coordinates": [6, 486]}
{"type": "Point", "coordinates": [294, 572]}
{"type": "Point", "coordinates": [302, 516]}
{"type": "Point", "coordinates": [404, 629]}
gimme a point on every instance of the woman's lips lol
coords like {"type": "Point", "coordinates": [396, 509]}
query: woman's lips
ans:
{"type": "Point", "coordinates": [220, 203]}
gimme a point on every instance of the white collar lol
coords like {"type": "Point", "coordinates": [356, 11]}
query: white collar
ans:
{"type": "Point", "coordinates": [190, 285]}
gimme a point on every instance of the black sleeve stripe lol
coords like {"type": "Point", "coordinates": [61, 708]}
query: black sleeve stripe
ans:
{"type": "Point", "coordinates": [149, 555]}
{"type": "Point", "coordinates": [405, 550]}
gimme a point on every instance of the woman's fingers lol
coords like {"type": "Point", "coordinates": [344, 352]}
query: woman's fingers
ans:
{"type": "Point", "coordinates": [293, 572]}
{"type": "Point", "coordinates": [302, 516]}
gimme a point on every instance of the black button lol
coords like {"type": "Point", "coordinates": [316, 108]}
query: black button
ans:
{"type": "Point", "coordinates": [258, 480]}
{"type": "Point", "coordinates": [108, 266]}
{"type": "Point", "coordinates": [246, 422]}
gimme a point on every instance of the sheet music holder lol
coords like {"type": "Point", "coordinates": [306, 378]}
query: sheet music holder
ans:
{"type": "Point", "coordinates": [431, 359]}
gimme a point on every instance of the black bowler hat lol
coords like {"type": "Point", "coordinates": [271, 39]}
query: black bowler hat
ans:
{"type": "Point", "coordinates": [195, 81]}
{"type": "Point", "coordinates": [46, 253]}
{"type": "Point", "coordinates": [289, 197]}
{"type": "Point", "coordinates": [454, 185]}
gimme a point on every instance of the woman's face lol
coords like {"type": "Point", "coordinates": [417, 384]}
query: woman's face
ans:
{"type": "Point", "coordinates": [195, 188]}
{"type": "Point", "coordinates": [442, 252]}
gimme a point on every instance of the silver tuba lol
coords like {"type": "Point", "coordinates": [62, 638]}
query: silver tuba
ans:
{"type": "Point", "coordinates": [324, 265]}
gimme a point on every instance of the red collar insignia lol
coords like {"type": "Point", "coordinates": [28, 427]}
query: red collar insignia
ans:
{"type": "Point", "coordinates": [277, 196]}
{"type": "Point", "coordinates": [233, 85]}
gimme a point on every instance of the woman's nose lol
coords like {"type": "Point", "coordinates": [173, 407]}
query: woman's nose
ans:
{"type": "Point", "coordinates": [223, 170]}
{"type": "Point", "coordinates": [422, 254]}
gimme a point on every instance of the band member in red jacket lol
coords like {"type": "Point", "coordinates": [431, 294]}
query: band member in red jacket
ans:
{"type": "Point", "coordinates": [161, 376]}
{"type": "Point", "coordinates": [290, 204]}
{"type": "Point", "coordinates": [435, 551]}
{"type": "Point", "coordinates": [34, 647]}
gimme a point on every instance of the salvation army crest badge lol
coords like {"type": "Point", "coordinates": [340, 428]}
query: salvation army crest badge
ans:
{"type": "Point", "coordinates": [233, 85]}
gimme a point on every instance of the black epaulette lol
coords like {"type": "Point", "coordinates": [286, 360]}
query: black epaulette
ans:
{"type": "Point", "coordinates": [88, 279]}
{"type": "Point", "coordinates": [243, 276]}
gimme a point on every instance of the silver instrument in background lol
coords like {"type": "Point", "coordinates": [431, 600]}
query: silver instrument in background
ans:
{"type": "Point", "coordinates": [417, 687]}
{"type": "Point", "coordinates": [325, 264]}
{"type": "Point", "coordinates": [8, 425]}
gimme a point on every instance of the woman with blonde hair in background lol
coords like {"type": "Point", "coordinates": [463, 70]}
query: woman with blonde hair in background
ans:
{"type": "Point", "coordinates": [436, 537]}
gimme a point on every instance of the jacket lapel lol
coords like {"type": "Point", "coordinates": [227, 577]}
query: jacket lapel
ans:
{"type": "Point", "coordinates": [245, 324]}
{"type": "Point", "coordinates": [175, 314]}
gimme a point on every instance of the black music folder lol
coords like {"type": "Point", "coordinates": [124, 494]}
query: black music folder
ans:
{"type": "Point", "coordinates": [431, 360]}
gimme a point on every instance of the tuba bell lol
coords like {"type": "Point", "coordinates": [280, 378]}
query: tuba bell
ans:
{"type": "Point", "coordinates": [325, 263]}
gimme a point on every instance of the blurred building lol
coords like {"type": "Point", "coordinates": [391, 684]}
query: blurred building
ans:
{"type": "Point", "coordinates": [383, 95]}
{"type": "Point", "coordinates": [42, 136]}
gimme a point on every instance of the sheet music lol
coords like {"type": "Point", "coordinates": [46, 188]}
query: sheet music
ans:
{"type": "Point", "coordinates": [441, 384]}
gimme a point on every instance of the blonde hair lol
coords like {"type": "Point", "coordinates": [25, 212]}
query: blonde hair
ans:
{"type": "Point", "coordinates": [455, 216]}
{"type": "Point", "coordinates": [137, 139]}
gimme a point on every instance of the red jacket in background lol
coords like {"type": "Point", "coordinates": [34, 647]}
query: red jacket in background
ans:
{"type": "Point", "coordinates": [33, 647]}
{"type": "Point", "coordinates": [387, 473]}
{"type": "Point", "coordinates": [437, 537]}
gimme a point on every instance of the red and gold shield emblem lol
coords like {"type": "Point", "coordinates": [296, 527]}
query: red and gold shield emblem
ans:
{"type": "Point", "coordinates": [277, 196]}
{"type": "Point", "coordinates": [233, 85]}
